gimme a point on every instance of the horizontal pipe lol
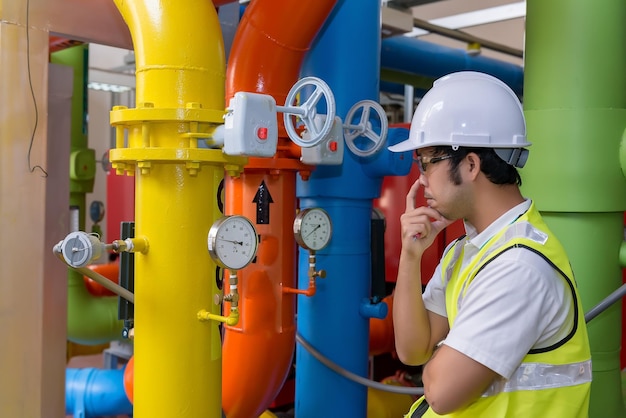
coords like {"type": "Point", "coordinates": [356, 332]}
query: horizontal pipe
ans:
{"type": "Point", "coordinates": [92, 392]}
{"type": "Point", "coordinates": [466, 37]}
{"type": "Point", "coordinates": [417, 62]}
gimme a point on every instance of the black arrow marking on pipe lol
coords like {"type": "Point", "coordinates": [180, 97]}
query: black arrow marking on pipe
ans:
{"type": "Point", "coordinates": [262, 198]}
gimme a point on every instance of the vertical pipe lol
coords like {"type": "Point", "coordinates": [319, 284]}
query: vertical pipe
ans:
{"type": "Point", "coordinates": [177, 358]}
{"type": "Point", "coordinates": [575, 104]}
{"type": "Point", "coordinates": [266, 57]}
{"type": "Point", "coordinates": [180, 96]}
{"type": "Point", "coordinates": [260, 347]}
{"type": "Point", "coordinates": [346, 55]}
{"type": "Point", "coordinates": [90, 320]}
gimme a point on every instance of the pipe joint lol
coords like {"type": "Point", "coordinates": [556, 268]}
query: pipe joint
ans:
{"type": "Point", "coordinates": [130, 245]}
{"type": "Point", "coordinates": [369, 309]}
{"type": "Point", "coordinates": [231, 320]}
{"type": "Point", "coordinates": [313, 275]}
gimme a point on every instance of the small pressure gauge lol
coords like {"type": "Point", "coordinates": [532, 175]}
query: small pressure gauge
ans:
{"type": "Point", "coordinates": [80, 248]}
{"type": "Point", "coordinates": [96, 211]}
{"type": "Point", "coordinates": [313, 228]}
{"type": "Point", "coordinates": [233, 242]}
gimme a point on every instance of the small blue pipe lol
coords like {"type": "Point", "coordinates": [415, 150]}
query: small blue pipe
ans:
{"type": "Point", "coordinates": [368, 309]}
{"type": "Point", "coordinates": [92, 392]}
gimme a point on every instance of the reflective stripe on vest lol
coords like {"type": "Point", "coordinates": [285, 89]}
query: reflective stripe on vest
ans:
{"type": "Point", "coordinates": [537, 376]}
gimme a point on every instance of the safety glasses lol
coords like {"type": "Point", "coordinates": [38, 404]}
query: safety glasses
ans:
{"type": "Point", "coordinates": [424, 162]}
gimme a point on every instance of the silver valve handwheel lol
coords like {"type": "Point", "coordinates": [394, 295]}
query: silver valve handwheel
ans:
{"type": "Point", "coordinates": [361, 130]}
{"type": "Point", "coordinates": [307, 111]}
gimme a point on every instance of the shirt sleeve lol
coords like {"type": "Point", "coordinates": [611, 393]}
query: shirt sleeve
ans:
{"type": "Point", "coordinates": [516, 301]}
{"type": "Point", "coordinates": [435, 295]}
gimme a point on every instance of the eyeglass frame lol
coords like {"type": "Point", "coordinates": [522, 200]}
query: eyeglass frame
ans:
{"type": "Point", "coordinates": [423, 165]}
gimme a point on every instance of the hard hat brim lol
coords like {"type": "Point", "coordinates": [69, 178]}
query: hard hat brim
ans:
{"type": "Point", "coordinates": [409, 145]}
{"type": "Point", "coordinates": [406, 145]}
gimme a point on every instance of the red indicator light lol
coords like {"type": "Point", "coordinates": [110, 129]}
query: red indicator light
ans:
{"type": "Point", "coordinates": [262, 133]}
{"type": "Point", "coordinates": [332, 145]}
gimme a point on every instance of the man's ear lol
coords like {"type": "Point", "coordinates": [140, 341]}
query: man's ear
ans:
{"type": "Point", "coordinates": [473, 164]}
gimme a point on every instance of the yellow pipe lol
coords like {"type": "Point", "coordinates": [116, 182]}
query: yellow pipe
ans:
{"type": "Point", "coordinates": [180, 95]}
{"type": "Point", "coordinates": [231, 319]}
{"type": "Point", "coordinates": [179, 52]}
{"type": "Point", "coordinates": [131, 245]}
{"type": "Point", "coordinates": [233, 297]}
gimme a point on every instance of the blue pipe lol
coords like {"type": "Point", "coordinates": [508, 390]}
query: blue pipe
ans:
{"type": "Point", "coordinates": [417, 57]}
{"type": "Point", "coordinates": [92, 392]}
{"type": "Point", "coordinates": [346, 54]}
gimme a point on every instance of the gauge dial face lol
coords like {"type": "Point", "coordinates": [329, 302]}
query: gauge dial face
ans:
{"type": "Point", "coordinates": [233, 242]}
{"type": "Point", "coordinates": [312, 228]}
{"type": "Point", "coordinates": [77, 249]}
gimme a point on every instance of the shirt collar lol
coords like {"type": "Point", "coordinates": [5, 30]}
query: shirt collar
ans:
{"type": "Point", "coordinates": [478, 240]}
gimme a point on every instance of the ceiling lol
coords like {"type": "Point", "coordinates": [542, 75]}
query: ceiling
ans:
{"type": "Point", "coordinates": [500, 22]}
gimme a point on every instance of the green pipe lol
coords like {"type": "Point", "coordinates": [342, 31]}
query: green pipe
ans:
{"type": "Point", "coordinates": [575, 106]}
{"type": "Point", "coordinates": [400, 77]}
{"type": "Point", "coordinates": [91, 320]}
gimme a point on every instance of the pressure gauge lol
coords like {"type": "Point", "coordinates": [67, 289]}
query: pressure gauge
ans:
{"type": "Point", "coordinates": [80, 248]}
{"type": "Point", "coordinates": [233, 242]}
{"type": "Point", "coordinates": [312, 228]}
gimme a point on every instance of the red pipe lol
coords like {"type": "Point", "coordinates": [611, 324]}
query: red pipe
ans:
{"type": "Point", "coordinates": [267, 53]}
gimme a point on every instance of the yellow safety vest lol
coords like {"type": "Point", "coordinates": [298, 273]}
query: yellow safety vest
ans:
{"type": "Point", "coordinates": [551, 382]}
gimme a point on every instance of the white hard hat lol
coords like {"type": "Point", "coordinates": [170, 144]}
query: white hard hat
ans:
{"type": "Point", "coordinates": [470, 109]}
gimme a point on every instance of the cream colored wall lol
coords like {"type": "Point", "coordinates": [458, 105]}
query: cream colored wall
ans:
{"type": "Point", "coordinates": [32, 205]}
{"type": "Point", "coordinates": [27, 386]}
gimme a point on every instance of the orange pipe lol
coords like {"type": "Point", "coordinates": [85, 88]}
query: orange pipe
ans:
{"type": "Point", "coordinates": [129, 379]}
{"type": "Point", "coordinates": [109, 270]}
{"type": "Point", "coordinates": [270, 44]}
{"type": "Point", "coordinates": [266, 56]}
{"type": "Point", "coordinates": [313, 275]}
{"type": "Point", "coordinates": [257, 352]}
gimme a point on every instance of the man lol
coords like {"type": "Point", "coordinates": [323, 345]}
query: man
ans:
{"type": "Point", "coordinates": [500, 326]}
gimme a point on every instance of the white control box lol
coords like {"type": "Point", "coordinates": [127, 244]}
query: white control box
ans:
{"type": "Point", "coordinates": [250, 125]}
{"type": "Point", "coordinates": [330, 150]}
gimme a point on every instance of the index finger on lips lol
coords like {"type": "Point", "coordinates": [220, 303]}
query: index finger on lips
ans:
{"type": "Point", "coordinates": [410, 197]}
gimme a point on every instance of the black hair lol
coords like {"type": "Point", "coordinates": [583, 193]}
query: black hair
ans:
{"type": "Point", "coordinates": [495, 168]}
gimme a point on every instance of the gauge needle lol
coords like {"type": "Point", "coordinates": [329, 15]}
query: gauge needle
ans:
{"type": "Point", "coordinates": [234, 242]}
{"type": "Point", "coordinates": [314, 229]}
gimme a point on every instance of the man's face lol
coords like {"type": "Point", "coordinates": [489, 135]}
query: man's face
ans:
{"type": "Point", "coordinates": [449, 199]}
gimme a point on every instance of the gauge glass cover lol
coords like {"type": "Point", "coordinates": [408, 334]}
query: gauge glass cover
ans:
{"type": "Point", "coordinates": [233, 242]}
{"type": "Point", "coordinates": [313, 228]}
{"type": "Point", "coordinates": [77, 249]}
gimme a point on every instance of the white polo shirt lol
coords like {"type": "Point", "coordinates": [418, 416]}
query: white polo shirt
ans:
{"type": "Point", "coordinates": [514, 304]}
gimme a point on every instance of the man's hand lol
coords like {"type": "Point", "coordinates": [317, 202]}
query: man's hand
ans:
{"type": "Point", "coordinates": [420, 225]}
